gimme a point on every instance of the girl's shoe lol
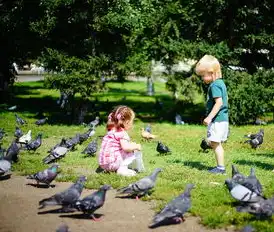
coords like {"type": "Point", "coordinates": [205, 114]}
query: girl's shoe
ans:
{"type": "Point", "coordinates": [125, 171]}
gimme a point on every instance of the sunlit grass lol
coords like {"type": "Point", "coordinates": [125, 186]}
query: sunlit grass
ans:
{"type": "Point", "coordinates": [185, 164]}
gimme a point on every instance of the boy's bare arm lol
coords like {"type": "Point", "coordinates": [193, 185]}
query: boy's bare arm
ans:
{"type": "Point", "coordinates": [214, 111]}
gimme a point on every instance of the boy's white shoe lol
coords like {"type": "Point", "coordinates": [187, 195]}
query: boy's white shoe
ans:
{"type": "Point", "coordinates": [125, 171]}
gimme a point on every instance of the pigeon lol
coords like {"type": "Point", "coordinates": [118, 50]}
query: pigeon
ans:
{"type": "Point", "coordinates": [89, 204]}
{"type": "Point", "coordinates": [162, 149]}
{"type": "Point", "coordinates": [63, 228]}
{"type": "Point", "coordinates": [72, 142]}
{"type": "Point", "coordinates": [46, 176]}
{"type": "Point", "coordinates": [91, 149]}
{"type": "Point", "coordinates": [255, 139]}
{"type": "Point", "coordinates": [61, 144]}
{"type": "Point", "coordinates": [41, 122]}
{"type": "Point", "coordinates": [12, 152]}
{"type": "Point", "coordinates": [262, 208]}
{"type": "Point", "coordinates": [174, 210]}
{"type": "Point", "coordinates": [12, 108]}
{"type": "Point", "coordinates": [25, 138]}
{"type": "Point", "coordinates": [18, 132]}
{"type": "Point", "coordinates": [178, 120]}
{"type": "Point", "coordinates": [148, 128]}
{"type": "Point", "coordinates": [55, 154]}
{"type": "Point", "coordinates": [253, 136]}
{"type": "Point", "coordinates": [83, 137]}
{"type": "Point", "coordinates": [142, 186]}
{"type": "Point", "coordinates": [251, 182]}
{"type": "Point", "coordinates": [248, 228]}
{"type": "Point", "coordinates": [147, 135]}
{"type": "Point", "coordinates": [236, 175]}
{"type": "Point", "coordinates": [2, 133]}
{"type": "Point", "coordinates": [95, 122]}
{"type": "Point", "coordinates": [19, 120]}
{"type": "Point", "coordinates": [34, 145]}
{"type": "Point", "coordinates": [259, 122]}
{"type": "Point", "coordinates": [205, 145]}
{"type": "Point", "coordinates": [5, 166]}
{"type": "Point", "coordinates": [66, 198]}
{"type": "Point", "coordinates": [240, 192]}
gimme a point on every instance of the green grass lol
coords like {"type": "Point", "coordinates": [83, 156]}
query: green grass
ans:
{"type": "Point", "coordinates": [185, 164]}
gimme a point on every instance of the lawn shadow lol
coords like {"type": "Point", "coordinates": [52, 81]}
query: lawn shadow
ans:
{"type": "Point", "coordinates": [196, 164]}
{"type": "Point", "coordinates": [165, 223]}
{"type": "Point", "coordinates": [41, 185]}
{"type": "Point", "coordinates": [268, 155]}
{"type": "Point", "coordinates": [57, 211]}
{"type": "Point", "coordinates": [259, 164]}
{"type": "Point", "coordinates": [81, 216]}
{"type": "Point", "coordinates": [28, 97]}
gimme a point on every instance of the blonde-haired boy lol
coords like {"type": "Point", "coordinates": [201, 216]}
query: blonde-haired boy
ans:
{"type": "Point", "coordinates": [216, 120]}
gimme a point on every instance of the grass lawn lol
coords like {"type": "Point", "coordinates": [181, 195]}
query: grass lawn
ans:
{"type": "Point", "coordinates": [211, 200]}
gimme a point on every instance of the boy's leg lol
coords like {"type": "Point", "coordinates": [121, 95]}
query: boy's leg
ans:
{"type": "Point", "coordinates": [219, 153]}
{"type": "Point", "coordinates": [216, 132]}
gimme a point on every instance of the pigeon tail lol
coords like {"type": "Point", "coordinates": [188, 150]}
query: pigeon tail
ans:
{"type": "Point", "coordinates": [32, 177]}
{"type": "Point", "coordinates": [47, 201]}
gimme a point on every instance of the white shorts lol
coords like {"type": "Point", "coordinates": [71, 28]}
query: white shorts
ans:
{"type": "Point", "coordinates": [217, 131]}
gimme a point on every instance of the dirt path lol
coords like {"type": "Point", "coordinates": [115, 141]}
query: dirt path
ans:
{"type": "Point", "coordinates": [19, 212]}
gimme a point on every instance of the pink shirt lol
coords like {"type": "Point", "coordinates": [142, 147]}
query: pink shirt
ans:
{"type": "Point", "coordinates": [111, 152]}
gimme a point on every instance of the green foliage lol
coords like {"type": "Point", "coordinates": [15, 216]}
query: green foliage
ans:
{"type": "Point", "coordinates": [74, 75]}
{"type": "Point", "coordinates": [249, 96]}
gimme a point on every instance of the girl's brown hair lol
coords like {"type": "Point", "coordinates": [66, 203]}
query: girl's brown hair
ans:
{"type": "Point", "coordinates": [119, 117]}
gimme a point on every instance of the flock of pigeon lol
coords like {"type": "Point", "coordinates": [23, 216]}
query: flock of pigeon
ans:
{"type": "Point", "coordinates": [247, 190]}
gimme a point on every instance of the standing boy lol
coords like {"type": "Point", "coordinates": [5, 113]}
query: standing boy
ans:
{"type": "Point", "coordinates": [216, 120]}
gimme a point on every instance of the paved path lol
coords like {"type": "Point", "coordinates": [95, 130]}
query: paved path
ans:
{"type": "Point", "coordinates": [19, 212]}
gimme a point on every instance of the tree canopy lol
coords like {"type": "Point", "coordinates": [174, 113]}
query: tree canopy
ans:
{"type": "Point", "coordinates": [118, 37]}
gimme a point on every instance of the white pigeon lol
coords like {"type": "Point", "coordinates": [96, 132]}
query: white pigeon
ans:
{"type": "Point", "coordinates": [25, 138]}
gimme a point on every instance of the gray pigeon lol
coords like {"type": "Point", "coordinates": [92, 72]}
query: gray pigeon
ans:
{"type": "Point", "coordinates": [178, 120]}
{"type": "Point", "coordinates": [57, 153]}
{"type": "Point", "coordinates": [94, 123]}
{"type": "Point", "coordinates": [19, 120]}
{"type": "Point", "coordinates": [2, 133]}
{"type": "Point", "coordinates": [255, 139]}
{"type": "Point", "coordinates": [91, 149]}
{"type": "Point", "coordinates": [35, 144]}
{"type": "Point", "coordinates": [174, 211]}
{"type": "Point", "coordinates": [236, 175]}
{"type": "Point", "coordinates": [148, 128]}
{"type": "Point", "coordinates": [63, 228]}
{"type": "Point", "coordinates": [46, 176]}
{"type": "Point", "coordinates": [205, 145]}
{"type": "Point", "coordinates": [41, 122]}
{"type": "Point", "coordinates": [5, 167]}
{"type": "Point", "coordinates": [66, 198]}
{"type": "Point", "coordinates": [142, 186]}
{"type": "Point", "coordinates": [161, 148]}
{"type": "Point", "coordinates": [262, 208]}
{"type": "Point", "coordinates": [248, 228]}
{"type": "Point", "coordinates": [92, 202]}
{"type": "Point", "coordinates": [240, 192]}
{"type": "Point", "coordinates": [252, 183]}
{"type": "Point", "coordinates": [18, 132]}
{"type": "Point", "coordinates": [12, 152]}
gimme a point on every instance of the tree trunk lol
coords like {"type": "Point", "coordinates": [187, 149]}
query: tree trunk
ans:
{"type": "Point", "coordinates": [150, 87]}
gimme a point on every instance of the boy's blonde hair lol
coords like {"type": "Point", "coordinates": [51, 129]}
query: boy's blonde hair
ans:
{"type": "Point", "coordinates": [208, 63]}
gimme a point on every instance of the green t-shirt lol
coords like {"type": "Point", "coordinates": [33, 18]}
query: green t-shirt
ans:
{"type": "Point", "coordinates": [217, 89]}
